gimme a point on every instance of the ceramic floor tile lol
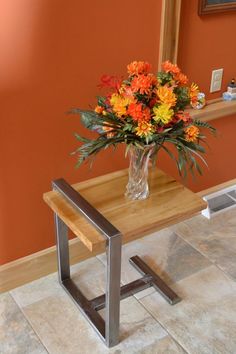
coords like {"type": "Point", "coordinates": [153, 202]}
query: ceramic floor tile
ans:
{"type": "Point", "coordinates": [88, 275]}
{"type": "Point", "coordinates": [167, 254]}
{"type": "Point", "coordinates": [228, 264]}
{"type": "Point", "coordinates": [213, 238]}
{"type": "Point", "coordinates": [62, 328]}
{"type": "Point", "coordinates": [138, 329]}
{"type": "Point", "coordinates": [37, 290]}
{"type": "Point", "coordinates": [199, 228]}
{"type": "Point", "coordinates": [165, 345]}
{"type": "Point", "coordinates": [16, 335]}
{"type": "Point", "coordinates": [205, 320]}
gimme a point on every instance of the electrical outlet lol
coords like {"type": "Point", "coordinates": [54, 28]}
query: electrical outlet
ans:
{"type": "Point", "coordinates": [216, 80]}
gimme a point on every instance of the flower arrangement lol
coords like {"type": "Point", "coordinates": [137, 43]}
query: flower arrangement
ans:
{"type": "Point", "coordinates": [146, 109]}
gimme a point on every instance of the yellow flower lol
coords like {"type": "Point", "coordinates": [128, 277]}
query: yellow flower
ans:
{"type": "Point", "coordinates": [166, 95]}
{"type": "Point", "coordinates": [191, 133]}
{"type": "Point", "coordinates": [194, 90]}
{"type": "Point", "coordinates": [144, 129]}
{"type": "Point", "coordinates": [193, 94]}
{"type": "Point", "coordinates": [163, 113]}
{"type": "Point", "coordinates": [119, 104]}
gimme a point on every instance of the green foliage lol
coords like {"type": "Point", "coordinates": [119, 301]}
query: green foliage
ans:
{"type": "Point", "coordinates": [188, 153]}
{"type": "Point", "coordinates": [182, 98]}
{"type": "Point", "coordinates": [89, 119]}
{"type": "Point", "coordinates": [206, 125]}
{"type": "Point", "coordinates": [164, 78]}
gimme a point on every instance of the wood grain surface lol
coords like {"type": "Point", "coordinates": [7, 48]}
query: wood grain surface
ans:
{"type": "Point", "coordinates": [169, 203]}
{"type": "Point", "coordinates": [214, 109]}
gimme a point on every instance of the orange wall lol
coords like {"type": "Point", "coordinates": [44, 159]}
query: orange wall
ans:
{"type": "Point", "coordinates": [52, 56]}
{"type": "Point", "coordinates": [207, 43]}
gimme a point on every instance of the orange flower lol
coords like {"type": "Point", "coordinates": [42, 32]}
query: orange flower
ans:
{"type": "Point", "coordinates": [110, 81]}
{"type": "Point", "coordinates": [138, 67]}
{"type": "Point", "coordinates": [166, 95]}
{"type": "Point", "coordinates": [184, 116]}
{"type": "Point", "coordinates": [138, 113]}
{"type": "Point", "coordinates": [191, 133]}
{"type": "Point", "coordinates": [143, 83]}
{"type": "Point", "coordinates": [168, 67]}
{"type": "Point", "coordinates": [99, 109]}
{"type": "Point", "coordinates": [126, 91]}
{"type": "Point", "coordinates": [181, 78]}
{"type": "Point", "coordinates": [144, 129]}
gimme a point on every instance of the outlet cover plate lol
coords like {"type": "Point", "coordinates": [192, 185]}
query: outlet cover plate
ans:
{"type": "Point", "coordinates": [216, 80]}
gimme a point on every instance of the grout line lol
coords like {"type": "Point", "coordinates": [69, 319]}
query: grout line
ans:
{"type": "Point", "coordinates": [167, 330]}
{"type": "Point", "coordinates": [29, 323]}
{"type": "Point", "coordinates": [213, 262]}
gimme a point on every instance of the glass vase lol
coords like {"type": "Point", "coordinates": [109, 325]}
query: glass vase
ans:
{"type": "Point", "coordinates": [137, 187]}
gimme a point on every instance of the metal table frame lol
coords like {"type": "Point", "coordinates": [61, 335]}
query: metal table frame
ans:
{"type": "Point", "coordinates": [107, 329]}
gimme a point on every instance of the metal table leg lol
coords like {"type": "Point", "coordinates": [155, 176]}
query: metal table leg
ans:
{"type": "Point", "coordinates": [113, 291]}
{"type": "Point", "coordinates": [67, 283]}
{"type": "Point", "coordinates": [108, 330]}
{"type": "Point", "coordinates": [168, 294]}
{"type": "Point", "coordinates": [62, 249]}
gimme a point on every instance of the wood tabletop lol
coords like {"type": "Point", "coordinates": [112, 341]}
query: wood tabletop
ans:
{"type": "Point", "coordinates": [169, 203]}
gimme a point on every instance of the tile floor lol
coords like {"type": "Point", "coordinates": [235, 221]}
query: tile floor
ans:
{"type": "Point", "coordinates": [196, 257]}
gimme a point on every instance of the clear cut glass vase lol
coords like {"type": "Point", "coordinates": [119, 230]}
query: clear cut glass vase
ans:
{"type": "Point", "coordinates": [137, 187]}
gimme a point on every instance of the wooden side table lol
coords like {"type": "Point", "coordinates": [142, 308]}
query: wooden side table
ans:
{"type": "Point", "coordinates": [98, 213]}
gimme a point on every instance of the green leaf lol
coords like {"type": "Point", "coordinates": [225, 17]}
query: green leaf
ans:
{"type": "Point", "coordinates": [101, 101]}
{"type": "Point", "coordinates": [128, 146]}
{"type": "Point", "coordinates": [89, 119]}
{"type": "Point", "coordinates": [81, 138]}
{"type": "Point", "coordinates": [202, 124]}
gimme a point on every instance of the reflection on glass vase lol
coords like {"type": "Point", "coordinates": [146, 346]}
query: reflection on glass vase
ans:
{"type": "Point", "coordinates": [137, 187]}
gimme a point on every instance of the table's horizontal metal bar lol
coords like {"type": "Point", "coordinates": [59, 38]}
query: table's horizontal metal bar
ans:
{"type": "Point", "coordinates": [92, 214]}
{"type": "Point", "coordinates": [127, 290]}
{"type": "Point", "coordinates": [157, 282]}
{"type": "Point", "coordinates": [85, 307]}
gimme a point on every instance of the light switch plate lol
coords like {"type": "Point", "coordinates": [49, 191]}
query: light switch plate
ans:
{"type": "Point", "coordinates": [216, 80]}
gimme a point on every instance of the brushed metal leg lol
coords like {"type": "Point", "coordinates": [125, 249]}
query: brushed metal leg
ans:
{"type": "Point", "coordinates": [113, 291]}
{"type": "Point", "coordinates": [169, 295]}
{"type": "Point", "coordinates": [126, 290]}
{"type": "Point", "coordinates": [108, 330]}
{"type": "Point", "coordinates": [62, 249]}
